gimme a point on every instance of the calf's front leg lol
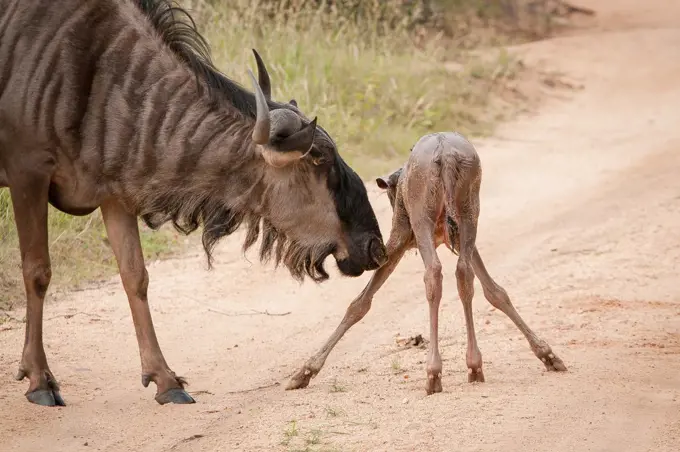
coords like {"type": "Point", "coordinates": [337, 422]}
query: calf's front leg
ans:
{"type": "Point", "coordinates": [123, 233]}
{"type": "Point", "coordinates": [397, 245]}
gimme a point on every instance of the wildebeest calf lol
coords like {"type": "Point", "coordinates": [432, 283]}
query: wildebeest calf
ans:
{"type": "Point", "coordinates": [435, 200]}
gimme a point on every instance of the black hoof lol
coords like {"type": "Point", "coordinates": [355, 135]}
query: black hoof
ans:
{"type": "Point", "coordinates": [45, 397]}
{"type": "Point", "coordinates": [174, 395]}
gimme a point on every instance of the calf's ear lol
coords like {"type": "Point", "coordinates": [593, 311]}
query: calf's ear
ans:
{"type": "Point", "coordinates": [382, 183]}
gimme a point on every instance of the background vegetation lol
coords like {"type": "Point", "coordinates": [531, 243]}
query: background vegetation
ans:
{"type": "Point", "coordinates": [378, 74]}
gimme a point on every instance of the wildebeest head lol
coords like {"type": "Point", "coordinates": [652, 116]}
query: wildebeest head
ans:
{"type": "Point", "coordinates": [312, 197]}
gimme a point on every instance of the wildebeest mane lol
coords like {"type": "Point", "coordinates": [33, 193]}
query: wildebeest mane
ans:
{"type": "Point", "coordinates": [187, 212]}
{"type": "Point", "coordinates": [178, 30]}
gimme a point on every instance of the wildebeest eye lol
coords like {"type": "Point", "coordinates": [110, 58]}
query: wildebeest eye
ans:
{"type": "Point", "coordinates": [317, 157]}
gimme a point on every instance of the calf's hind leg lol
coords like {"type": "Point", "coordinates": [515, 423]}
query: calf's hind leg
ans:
{"type": "Point", "coordinates": [499, 299]}
{"type": "Point", "coordinates": [123, 233]}
{"type": "Point", "coordinates": [465, 277]}
{"type": "Point", "coordinates": [29, 195]}
{"type": "Point", "coordinates": [433, 291]}
{"type": "Point", "coordinates": [463, 204]}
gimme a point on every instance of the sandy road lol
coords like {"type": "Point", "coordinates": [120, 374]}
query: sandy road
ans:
{"type": "Point", "coordinates": [580, 223]}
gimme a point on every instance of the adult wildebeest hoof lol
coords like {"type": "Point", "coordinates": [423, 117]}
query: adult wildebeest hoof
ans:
{"type": "Point", "coordinates": [174, 395]}
{"type": "Point", "coordinates": [45, 397]}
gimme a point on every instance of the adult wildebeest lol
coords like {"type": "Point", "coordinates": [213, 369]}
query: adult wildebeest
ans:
{"type": "Point", "coordinates": [115, 104]}
{"type": "Point", "coordinates": [435, 201]}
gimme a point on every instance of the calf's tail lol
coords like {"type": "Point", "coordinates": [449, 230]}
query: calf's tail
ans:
{"type": "Point", "coordinates": [455, 178]}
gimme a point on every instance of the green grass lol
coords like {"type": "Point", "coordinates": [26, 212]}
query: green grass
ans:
{"type": "Point", "coordinates": [376, 91]}
{"type": "Point", "coordinates": [337, 387]}
{"type": "Point", "coordinates": [296, 439]}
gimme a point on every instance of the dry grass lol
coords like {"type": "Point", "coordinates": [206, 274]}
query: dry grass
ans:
{"type": "Point", "coordinates": [376, 90]}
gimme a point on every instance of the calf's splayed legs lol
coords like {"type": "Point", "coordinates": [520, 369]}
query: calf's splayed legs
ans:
{"type": "Point", "coordinates": [435, 200]}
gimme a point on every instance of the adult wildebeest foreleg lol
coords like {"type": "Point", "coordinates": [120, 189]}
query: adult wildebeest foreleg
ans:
{"type": "Point", "coordinates": [29, 188]}
{"type": "Point", "coordinates": [499, 299]}
{"type": "Point", "coordinates": [399, 241]}
{"type": "Point", "coordinates": [123, 233]}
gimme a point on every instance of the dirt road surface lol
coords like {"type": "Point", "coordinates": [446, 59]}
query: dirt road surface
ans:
{"type": "Point", "coordinates": [580, 223]}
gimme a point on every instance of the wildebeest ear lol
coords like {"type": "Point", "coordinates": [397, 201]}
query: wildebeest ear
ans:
{"type": "Point", "coordinates": [301, 140]}
{"type": "Point", "coordinates": [382, 183]}
{"type": "Point", "coordinates": [293, 103]}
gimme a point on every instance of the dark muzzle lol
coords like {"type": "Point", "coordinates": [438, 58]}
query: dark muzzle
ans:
{"type": "Point", "coordinates": [377, 253]}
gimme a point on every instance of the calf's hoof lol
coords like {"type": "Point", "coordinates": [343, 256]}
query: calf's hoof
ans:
{"type": "Point", "coordinates": [434, 384]}
{"type": "Point", "coordinates": [45, 397]}
{"type": "Point", "coordinates": [553, 363]}
{"type": "Point", "coordinates": [174, 395]}
{"type": "Point", "coordinates": [475, 375]}
{"type": "Point", "coordinates": [301, 379]}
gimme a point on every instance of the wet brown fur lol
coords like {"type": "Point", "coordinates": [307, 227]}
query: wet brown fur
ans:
{"type": "Point", "coordinates": [435, 201]}
{"type": "Point", "coordinates": [115, 104]}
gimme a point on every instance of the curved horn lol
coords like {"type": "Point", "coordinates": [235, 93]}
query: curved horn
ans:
{"type": "Point", "coordinates": [261, 129]}
{"type": "Point", "coordinates": [263, 76]}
